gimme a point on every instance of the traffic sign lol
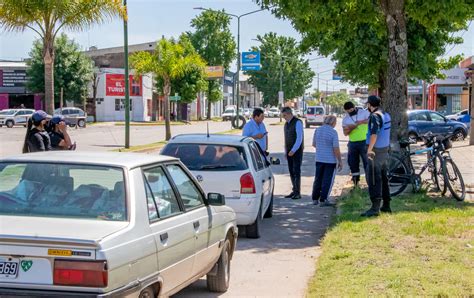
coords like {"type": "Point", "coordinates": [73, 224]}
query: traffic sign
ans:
{"type": "Point", "coordinates": [253, 67]}
{"type": "Point", "coordinates": [281, 97]}
{"type": "Point", "coordinates": [176, 97]}
{"type": "Point", "coordinates": [250, 58]}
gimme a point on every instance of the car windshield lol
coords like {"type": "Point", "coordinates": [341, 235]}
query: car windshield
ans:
{"type": "Point", "coordinates": [229, 111]}
{"type": "Point", "coordinates": [7, 112]}
{"type": "Point", "coordinates": [315, 111]}
{"type": "Point", "coordinates": [62, 190]}
{"type": "Point", "coordinates": [208, 157]}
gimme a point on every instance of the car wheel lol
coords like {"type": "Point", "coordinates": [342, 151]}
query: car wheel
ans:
{"type": "Point", "coordinates": [269, 212]}
{"type": "Point", "coordinates": [81, 123]}
{"type": "Point", "coordinates": [9, 124]}
{"type": "Point", "coordinates": [220, 281]}
{"type": "Point", "coordinates": [253, 230]}
{"type": "Point", "coordinates": [458, 135]}
{"type": "Point", "coordinates": [147, 293]}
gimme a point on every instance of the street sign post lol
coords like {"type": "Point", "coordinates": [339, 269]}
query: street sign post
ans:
{"type": "Point", "coordinates": [250, 61]}
{"type": "Point", "coordinates": [251, 67]}
{"type": "Point", "coordinates": [176, 97]}
{"type": "Point", "coordinates": [281, 97]}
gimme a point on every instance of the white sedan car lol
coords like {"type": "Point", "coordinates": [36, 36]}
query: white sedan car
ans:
{"type": "Point", "coordinates": [234, 166]}
{"type": "Point", "coordinates": [109, 224]}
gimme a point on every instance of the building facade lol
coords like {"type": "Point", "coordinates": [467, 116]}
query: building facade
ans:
{"type": "Point", "coordinates": [13, 91]}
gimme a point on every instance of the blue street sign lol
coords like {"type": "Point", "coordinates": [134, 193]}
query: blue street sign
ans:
{"type": "Point", "coordinates": [253, 67]}
{"type": "Point", "coordinates": [250, 58]}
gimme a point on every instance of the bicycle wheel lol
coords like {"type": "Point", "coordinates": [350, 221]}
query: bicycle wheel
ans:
{"type": "Point", "coordinates": [398, 175]}
{"type": "Point", "coordinates": [438, 174]}
{"type": "Point", "coordinates": [454, 180]}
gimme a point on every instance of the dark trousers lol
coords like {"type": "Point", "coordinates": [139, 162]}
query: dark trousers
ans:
{"type": "Point", "coordinates": [356, 152]}
{"type": "Point", "coordinates": [294, 167]}
{"type": "Point", "coordinates": [325, 173]}
{"type": "Point", "coordinates": [377, 179]}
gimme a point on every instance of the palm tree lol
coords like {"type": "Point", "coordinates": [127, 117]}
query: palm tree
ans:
{"type": "Point", "coordinates": [170, 60]}
{"type": "Point", "coordinates": [48, 17]}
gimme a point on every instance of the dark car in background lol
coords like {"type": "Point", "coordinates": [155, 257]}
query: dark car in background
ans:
{"type": "Point", "coordinates": [422, 121]}
{"type": "Point", "coordinates": [73, 116]}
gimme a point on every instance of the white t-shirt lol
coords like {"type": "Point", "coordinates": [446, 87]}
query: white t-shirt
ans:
{"type": "Point", "coordinates": [361, 115]}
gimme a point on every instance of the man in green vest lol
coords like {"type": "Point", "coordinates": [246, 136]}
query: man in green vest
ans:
{"type": "Point", "coordinates": [355, 126]}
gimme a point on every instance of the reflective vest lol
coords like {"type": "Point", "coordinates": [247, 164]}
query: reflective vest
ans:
{"type": "Point", "coordinates": [359, 133]}
{"type": "Point", "coordinates": [383, 137]}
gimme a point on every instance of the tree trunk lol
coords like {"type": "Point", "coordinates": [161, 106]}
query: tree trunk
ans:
{"type": "Point", "coordinates": [166, 89]}
{"type": "Point", "coordinates": [48, 59]}
{"type": "Point", "coordinates": [396, 85]}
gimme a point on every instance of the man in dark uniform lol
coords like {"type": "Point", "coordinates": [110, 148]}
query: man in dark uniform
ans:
{"type": "Point", "coordinates": [294, 143]}
{"type": "Point", "coordinates": [378, 141]}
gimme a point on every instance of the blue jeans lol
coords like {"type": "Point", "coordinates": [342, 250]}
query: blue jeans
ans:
{"type": "Point", "coordinates": [323, 180]}
{"type": "Point", "coordinates": [356, 152]}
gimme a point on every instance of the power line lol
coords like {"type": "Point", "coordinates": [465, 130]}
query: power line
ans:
{"type": "Point", "coordinates": [464, 31]}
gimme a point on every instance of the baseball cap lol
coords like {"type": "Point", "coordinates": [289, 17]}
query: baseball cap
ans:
{"type": "Point", "coordinates": [40, 115]}
{"type": "Point", "coordinates": [57, 118]}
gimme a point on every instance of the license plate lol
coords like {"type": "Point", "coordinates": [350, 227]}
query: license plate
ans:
{"type": "Point", "coordinates": [9, 268]}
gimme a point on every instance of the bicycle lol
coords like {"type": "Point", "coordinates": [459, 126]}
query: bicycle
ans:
{"type": "Point", "coordinates": [444, 171]}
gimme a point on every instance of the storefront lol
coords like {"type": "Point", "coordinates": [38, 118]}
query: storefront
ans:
{"type": "Point", "coordinates": [415, 95]}
{"type": "Point", "coordinates": [13, 91]}
{"type": "Point", "coordinates": [110, 98]}
{"type": "Point", "coordinates": [449, 95]}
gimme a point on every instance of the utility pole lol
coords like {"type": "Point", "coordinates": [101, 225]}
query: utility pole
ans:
{"type": "Point", "coordinates": [127, 87]}
{"type": "Point", "coordinates": [280, 103]}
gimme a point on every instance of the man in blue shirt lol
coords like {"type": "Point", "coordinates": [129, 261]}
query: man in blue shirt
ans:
{"type": "Point", "coordinates": [294, 143]}
{"type": "Point", "coordinates": [256, 129]}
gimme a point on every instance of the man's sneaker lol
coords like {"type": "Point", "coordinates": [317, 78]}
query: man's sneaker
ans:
{"type": "Point", "coordinates": [296, 197]}
{"type": "Point", "coordinates": [327, 203]}
{"type": "Point", "coordinates": [291, 195]}
{"type": "Point", "coordinates": [386, 209]}
{"type": "Point", "coordinates": [315, 202]}
{"type": "Point", "coordinates": [370, 213]}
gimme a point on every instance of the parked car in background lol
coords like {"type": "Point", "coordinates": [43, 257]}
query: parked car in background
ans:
{"type": "Point", "coordinates": [109, 224]}
{"type": "Point", "coordinates": [13, 117]}
{"type": "Point", "coordinates": [73, 116]}
{"type": "Point", "coordinates": [422, 121]}
{"type": "Point", "coordinates": [315, 116]}
{"type": "Point", "coordinates": [234, 166]}
{"type": "Point", "coordinates": [274, 112]}
{"type": "Point", "coordinates": [248, 113]}
{"type": "Point", "coordinates": [458, 115]}
{"type": "Point", "coordinates": [230, 113]}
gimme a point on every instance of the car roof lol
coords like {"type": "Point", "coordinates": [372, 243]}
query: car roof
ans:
{"type": "Point", "coordinates": [419, 111]}
{"type": "Point", "coordinates": [116, 159]}
{"type": "Point", "coordinates": [198, 138]}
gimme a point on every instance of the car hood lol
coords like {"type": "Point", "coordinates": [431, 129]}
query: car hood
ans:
{"type": "Point", "coordinates": [57, 229]}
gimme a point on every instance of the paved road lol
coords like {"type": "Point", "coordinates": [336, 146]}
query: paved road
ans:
{"type": "Point", "coordinates": [281, 262]}
{"type": "Point", "coordinates": [103, 137]}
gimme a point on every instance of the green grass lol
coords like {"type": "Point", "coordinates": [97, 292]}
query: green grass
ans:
{"type": "Point", "coordinates": [143, 148]}
{"type": "Point", "coordinates": [424, 248]}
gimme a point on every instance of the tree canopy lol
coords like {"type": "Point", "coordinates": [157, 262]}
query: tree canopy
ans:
{"type": "Point", "coordinates": [72, 70]}
{"type": "Point", "coordinates": [280, 54]}
{"type": "Point", "coordinates": [213, 40]}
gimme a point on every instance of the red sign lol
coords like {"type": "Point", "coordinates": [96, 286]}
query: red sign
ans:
{"type": "Point", "coordinates": [115, 85]}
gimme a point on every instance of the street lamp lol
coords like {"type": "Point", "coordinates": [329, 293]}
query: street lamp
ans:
{"type": "Point", "coordinates": [127, 89]}
{"type": "Point", "coordinates": [238, 49]}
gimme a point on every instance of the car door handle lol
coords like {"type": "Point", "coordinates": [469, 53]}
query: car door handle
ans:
{"type": "Point", "coordinates": [263, 181]}
{"type": "Point", "coordinates": [196, 224]}
{"type": "Point", "coordinates": [164, 237]}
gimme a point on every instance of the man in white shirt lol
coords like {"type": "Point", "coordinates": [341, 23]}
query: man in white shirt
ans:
{"type": "Point", "coordinates": [355, 126]}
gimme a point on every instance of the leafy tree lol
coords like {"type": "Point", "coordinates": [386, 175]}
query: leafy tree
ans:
{"type": "Point", "coordinates": [171, 60]}
{"type": "Point", "coordinates": [280, 55]}
{"type": "Point", "coordinates": [382, 43]}
{"type": "Point", "coordinates": [47, 18]}
{"type": "Point", "coordinates": [72, 70]}
{"type": "Point", "coordinates": [337, 99]}
{"type": "Point", "coordinates": [214, 42]}
{"type": "Point", "coordinates": [317, 95]}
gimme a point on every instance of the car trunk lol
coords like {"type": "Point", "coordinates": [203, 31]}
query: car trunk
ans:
{"type": "Point", "coordinates": [226, 183]}
{"type": "Point", "coordinates": [31, 245]}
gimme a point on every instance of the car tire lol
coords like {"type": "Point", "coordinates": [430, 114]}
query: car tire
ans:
{"type": "Point", "coordinates": [458, 135]}
{"type": "Point", "coordinates": [220, 281]}
{"type": "Point", "coordinates": [242, 122]}
{"type": "Point", "coordinates": [81, 123]}
{"type": "Point", "coordinates": [269, 212]}
{"type": "Point", "coordinates": [147, 293]}
{"type": "Point", "coordinates": [9, 123]}
{"type": "Point", "coordinates": [253, 230]}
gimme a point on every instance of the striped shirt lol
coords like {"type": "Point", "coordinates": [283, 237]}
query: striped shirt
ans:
{"type": "Point", "coordinates": [325, 139]}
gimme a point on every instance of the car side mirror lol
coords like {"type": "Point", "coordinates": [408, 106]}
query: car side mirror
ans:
{"type": "Point", "coordinates": [274, 160]}
{"type": "Point", "coordinates": [216, 199]}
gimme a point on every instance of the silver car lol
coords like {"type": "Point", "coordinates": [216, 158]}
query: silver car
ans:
{"type": "Point", "coordinates": [109, 224]}
{"type": "Point", "coordinates": [12, 117]}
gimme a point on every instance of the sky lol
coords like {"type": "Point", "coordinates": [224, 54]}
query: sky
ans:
{"type": "Point", "coordinates": [149, 20]}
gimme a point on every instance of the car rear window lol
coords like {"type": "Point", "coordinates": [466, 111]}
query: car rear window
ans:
{"type": "Point", "coordinates": [208, 157]}
{"type": "Point", "coordinates": [62, 190]}
{"type": "Point", "coordinates": [315, 111]}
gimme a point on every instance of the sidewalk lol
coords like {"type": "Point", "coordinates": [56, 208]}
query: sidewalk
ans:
{"type": "Point", "coordinates": [463, 156]}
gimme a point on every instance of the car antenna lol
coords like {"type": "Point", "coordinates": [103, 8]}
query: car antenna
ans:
{"type": "Point", "coordinates": [208, 129]}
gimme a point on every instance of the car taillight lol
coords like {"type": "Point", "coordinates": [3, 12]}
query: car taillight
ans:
{"type": "Point", "coordinates": [247, 185]}
{"type": "Point", "coordinates": [81, 273]}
